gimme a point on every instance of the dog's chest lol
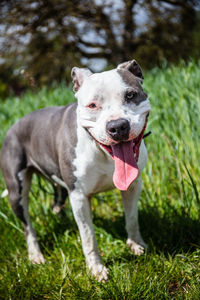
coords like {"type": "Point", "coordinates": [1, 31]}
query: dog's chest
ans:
{"type": "Point", "coordinates": [93, 169]}
{"type": "Point", "coordinates": [95, 178]}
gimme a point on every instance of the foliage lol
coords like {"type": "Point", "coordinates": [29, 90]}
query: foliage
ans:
{"type": "Point", "coordinates": [169, 209]}
{"type": "Point", "coordinates": [42, 40]}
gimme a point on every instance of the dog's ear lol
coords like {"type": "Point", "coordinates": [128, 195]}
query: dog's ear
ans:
{"type": "Point", "coordinates": [78, 76]}
{"type": "Point", "coordinates": [133, 67]}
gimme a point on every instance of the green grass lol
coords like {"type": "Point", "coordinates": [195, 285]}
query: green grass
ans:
{"type": "Point", "coordinates": [169, 209]}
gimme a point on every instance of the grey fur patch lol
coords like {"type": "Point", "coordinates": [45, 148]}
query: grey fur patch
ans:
{"type": "Point", "coordinates": [44, 141]}
{"type": "Point", "coordinates": [68, 140]}
{"type": "Point", "coordinates": [133, 82]}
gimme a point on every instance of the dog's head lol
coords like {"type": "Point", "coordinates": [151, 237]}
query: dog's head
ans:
{"type": "Point", "coordinates": [113, 107]}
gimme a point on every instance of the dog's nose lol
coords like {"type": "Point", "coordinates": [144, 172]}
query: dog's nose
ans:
{"type": "Point", "coordinates": [118, 129]}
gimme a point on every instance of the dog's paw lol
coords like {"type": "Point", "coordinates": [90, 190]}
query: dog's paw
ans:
{"type": "Point", "coordinates": [57, 209]}
{"type": "Point", "coordinates": [135, 247]}
{"type": "Point", "coordinates": [99, 272]}
{"type": "Point", "coordinates": [37, 258]}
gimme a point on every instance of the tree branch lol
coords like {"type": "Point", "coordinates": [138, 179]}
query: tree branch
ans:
{"type": "Point", "coordinates": [184, 4]}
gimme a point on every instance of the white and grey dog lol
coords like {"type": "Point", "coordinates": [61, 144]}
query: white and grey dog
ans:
{"type": "Point", "coordinates": [84, 148]}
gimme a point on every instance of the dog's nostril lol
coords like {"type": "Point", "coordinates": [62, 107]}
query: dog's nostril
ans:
{"type": "Point", "coordinates": [112, 130]}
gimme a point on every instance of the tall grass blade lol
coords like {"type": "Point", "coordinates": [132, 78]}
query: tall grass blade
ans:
{"type": "Point", "coordinates": [193, 185]}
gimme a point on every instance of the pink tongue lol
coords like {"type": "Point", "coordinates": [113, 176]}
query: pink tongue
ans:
{"type": "Point", "coordinates": [126, 169]}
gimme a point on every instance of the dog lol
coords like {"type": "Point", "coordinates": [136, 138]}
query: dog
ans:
{"type": "Point", "coordinates": [84, 148]}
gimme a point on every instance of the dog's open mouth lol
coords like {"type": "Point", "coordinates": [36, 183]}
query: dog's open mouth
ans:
{"type": "Point", "coordinates": [125, 155]}
{"type": "Point", "coordinates": [135, 146]}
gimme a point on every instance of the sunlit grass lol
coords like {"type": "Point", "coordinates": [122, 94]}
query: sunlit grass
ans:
{"type": "Point", "coordinates": [169, 209]}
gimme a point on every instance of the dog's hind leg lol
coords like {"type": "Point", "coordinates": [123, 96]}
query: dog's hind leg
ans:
{"type": "Point", "coordinates": [34, 252]}
{"type": "Point", "coordinates": [18, 179]}
{"type": "Point", "coordinates": [60, 195]}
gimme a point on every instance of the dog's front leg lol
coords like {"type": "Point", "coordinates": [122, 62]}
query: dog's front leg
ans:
{"type": "Point", "coordinates": [82, 213]}
{"type": "Point", "coordinates": [130, 202]}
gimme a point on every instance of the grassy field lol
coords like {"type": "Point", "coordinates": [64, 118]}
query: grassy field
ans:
{"type": "Point", "coordinates": [169, 209]}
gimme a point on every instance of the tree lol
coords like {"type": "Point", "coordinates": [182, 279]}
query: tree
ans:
{"type": "Point", "coordinates": [47, 38]}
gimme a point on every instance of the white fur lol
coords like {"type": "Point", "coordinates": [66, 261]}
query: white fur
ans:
{"type": "Point", "coordinates": [130, 199]}
{"type": "Point", "coordinates": [94, 167]}
{"type": "Point", "coordinates": [94, 171]}
{"type": "Point", "coordinates": [107, 90]}
{"type": "Point", "coordinates": [82, 213]}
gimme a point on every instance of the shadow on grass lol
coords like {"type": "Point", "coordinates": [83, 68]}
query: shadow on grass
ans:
{"type": "Point", "coordinates": [171, 233]}
{"type": "Point", "coordinates": [55, 228]}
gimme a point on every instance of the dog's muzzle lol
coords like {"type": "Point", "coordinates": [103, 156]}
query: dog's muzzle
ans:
{"type": "Point", "coordinates": [118, 129]}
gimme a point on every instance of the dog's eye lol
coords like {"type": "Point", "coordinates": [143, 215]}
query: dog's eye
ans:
{"type": "Point", "coordinates": [130, 96]}
{"type": "Point", "coordinates": [92, 105]}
